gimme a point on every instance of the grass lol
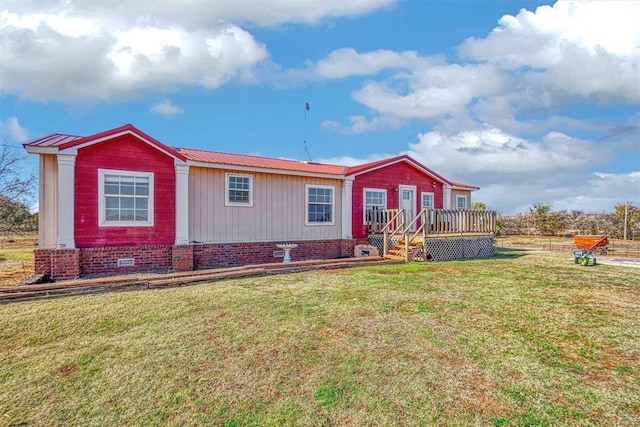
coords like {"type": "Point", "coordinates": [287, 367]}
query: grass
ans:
{"type": "Point", "coordinates": [16, 265]}
{"type": "Point", "coordinates": [525, 338]}
{"type": "Point", "coordinates": [16, 258]}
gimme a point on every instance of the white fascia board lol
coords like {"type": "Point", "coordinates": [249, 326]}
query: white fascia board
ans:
{"type": "Point", "coordinates": [263, 170]}
{"type": "Point", "coordinates": [455, 187]}
{"type": "Point", "coordinates": [34, 149]}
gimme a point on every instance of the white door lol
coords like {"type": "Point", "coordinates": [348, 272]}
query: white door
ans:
{"type": "Point", "coordinates": [408, 203]}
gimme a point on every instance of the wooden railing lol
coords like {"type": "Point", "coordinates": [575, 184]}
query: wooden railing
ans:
{"type": "Point", "coordinates": [395, 225]}
{"type": "Point", "coordinates": [446, 221]}
{"type": "Point", "coordinates": [432, 221]}
{"type": "Point", "coordinates": [390, 222]}
{"type": "Point", "coordinates": [378, 219]}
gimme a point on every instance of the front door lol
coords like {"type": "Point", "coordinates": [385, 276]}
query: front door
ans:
{"type": "Point", "coordinates": [408, 203]}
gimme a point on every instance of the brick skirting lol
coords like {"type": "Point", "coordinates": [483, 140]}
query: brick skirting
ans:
{"type": "Point", "coordinates": [65, 264]}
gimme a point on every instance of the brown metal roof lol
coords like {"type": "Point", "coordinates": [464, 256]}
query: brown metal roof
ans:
{"type": "Point", "coordinates": [259, 162]}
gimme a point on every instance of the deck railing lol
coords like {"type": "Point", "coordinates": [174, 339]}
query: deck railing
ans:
{"type": "Point", "coordinates": [431, 221]}
{"type": "Point", "coordinates": [378, 219]}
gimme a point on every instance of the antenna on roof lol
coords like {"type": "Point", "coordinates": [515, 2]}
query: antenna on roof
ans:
{"type": "Point", "coordinates": [305, 150]}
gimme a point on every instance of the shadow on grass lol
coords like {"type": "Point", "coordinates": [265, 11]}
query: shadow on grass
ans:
{"type": "Point", "coordinates": [510, 253]}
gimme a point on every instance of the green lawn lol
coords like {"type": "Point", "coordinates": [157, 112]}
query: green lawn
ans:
{"type": "Point", "coordinates": [525, 338]}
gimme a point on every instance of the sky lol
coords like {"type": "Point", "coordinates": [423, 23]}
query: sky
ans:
{"type": "Point", "coordinates": [532, 101]}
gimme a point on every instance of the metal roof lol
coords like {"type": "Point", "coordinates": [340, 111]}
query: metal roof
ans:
{"type": "Point", "coordinates": [53, 140]}
{"type": "Point", "coordinates": [259, 162]}
{"type": "Point", "coordinates": [61, 141]}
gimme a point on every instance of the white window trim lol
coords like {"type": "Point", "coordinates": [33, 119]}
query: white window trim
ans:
{"type": "Point", "coordinates": [102, 222]}
{"type": "Point", "coordinates": [466, 202]}
{"type": "Point", "coordinates": [364, 200]}
{"type": "Point", "coordinates": [226, 189]}
{"type": "Point", "coordinates": [433, 199]}
{"type": "Point", "coordinates": [306, 205]}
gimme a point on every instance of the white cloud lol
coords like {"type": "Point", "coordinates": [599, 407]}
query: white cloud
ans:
{"type": "Point", "coordinates": [360, 124]}
{"type": "Point", "coordinates": [431, 93]}
{"type": "Point", "coordinates": [514, 173]}
{"type": "Point", "coordinates": [347, 62]}
{"type": "Point", "coordinates": [86, 51]}
{"type": "Point", "coordinates": [166, 108]}
{"type": "Point", "coordinates": [490, 150]}
{"type": "Point", "coordinates": [14, 130]}
{"type": "Point", "coordinates": [546, 60]}
{"type": "Point", "coordinates": [43, 64]}
{"type": "Point", "coordinates": [574, 48]}
{"type": "Point", "coordinates": [596, 192]}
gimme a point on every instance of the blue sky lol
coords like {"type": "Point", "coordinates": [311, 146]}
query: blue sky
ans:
{"type": "Point", "coordinates": [533, 101]}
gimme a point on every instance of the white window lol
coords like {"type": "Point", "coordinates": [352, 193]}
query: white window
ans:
{"type": "Point", "coordinates": [461, 202]}
{"type": "Point", "coordinates": [238, 189]}
{"type": "Point", "coordinates": [374, 199]}
{"type": "Point", "coordinates": [320, 207]}
{"type": "Point", "coordinates": [428, 200]}
{"type": "Point", "coordinates": [125, 198]}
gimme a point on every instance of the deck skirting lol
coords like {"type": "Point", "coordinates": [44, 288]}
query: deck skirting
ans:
{"type": "Point", "coordinates": [445, 248]}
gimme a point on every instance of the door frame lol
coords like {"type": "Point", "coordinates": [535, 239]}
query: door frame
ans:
{"type": "Point", "coordinates": [414, 191]}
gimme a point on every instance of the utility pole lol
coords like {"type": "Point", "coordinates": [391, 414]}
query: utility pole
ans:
{"type": "Point", "coordinates": [626, 218]}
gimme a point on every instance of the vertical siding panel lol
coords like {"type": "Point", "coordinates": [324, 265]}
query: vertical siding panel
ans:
{"type": "Point", "coordinates": [278, 211]}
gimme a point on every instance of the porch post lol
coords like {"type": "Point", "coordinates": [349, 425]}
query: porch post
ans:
{"type": "Point", "coordinates": [65, 205]}
{"type": "Point", "coordinates": [347, 205]}
{"type": "Point", "coordinates": [47, 222]}
{"type": "Point", "coordinates": [182, 204]}
{"type": "Point", "coordinates": [446, 196]}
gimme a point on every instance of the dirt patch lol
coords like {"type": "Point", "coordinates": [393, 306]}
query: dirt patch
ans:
{"type": "Point", "coordinates": [13, 273]}
{"type": "Point", "coordinates": [447, 271]}
{"type": "Point", "coordinates": [68, 369]}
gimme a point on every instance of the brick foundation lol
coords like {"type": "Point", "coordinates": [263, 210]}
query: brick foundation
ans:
{"type": "Point", "coordinates": [65, 264]}
{"type": "Point", "coordinates": [97, 262]}
{"type": "Point", "coordinates": [182, 258]}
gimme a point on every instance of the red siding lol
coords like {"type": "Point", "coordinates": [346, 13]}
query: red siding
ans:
{"type": "Point", "coordinates": [389, 178]}
{"type": "Point", "coordinates": [130, 154]}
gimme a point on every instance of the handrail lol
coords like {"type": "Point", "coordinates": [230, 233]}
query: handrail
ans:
{"type": "Point", "coordinates": [385, 230]}
{"type": "Point", "coordinates": [392, 220]}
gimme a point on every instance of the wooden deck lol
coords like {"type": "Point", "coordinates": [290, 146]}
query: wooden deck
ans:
{"type": "Point", "coordinates": [410, 234]}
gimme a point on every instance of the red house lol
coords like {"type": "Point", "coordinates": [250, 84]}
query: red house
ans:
{"type": "Point", "coordinates": [121, 201]}
{"type": "Point", "coordinates": [402, 183]}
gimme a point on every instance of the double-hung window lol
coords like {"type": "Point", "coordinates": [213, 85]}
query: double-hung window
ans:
{"type": "Point", "coordinates": [238, 189]}
{"type": "Point", "coordinates": [125, 198]}
{"type": "Point", "coordinates": [461, 202]}
{"type": "Point", "coordinates": [374, 200]}
{"type": "Point", "coordinates": [320, 205]}
{"type": "Point", "coordinates": [428, 200]}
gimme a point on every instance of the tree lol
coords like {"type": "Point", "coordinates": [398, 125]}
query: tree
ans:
{"type": "Point", "coordinates": [479, 206]}
{"type": "Point", "coordinates": [545, 221]}
{"type": "Point", "coordinates": [15, 217]}
{"type": "Point", "coordinates": [16, 187]}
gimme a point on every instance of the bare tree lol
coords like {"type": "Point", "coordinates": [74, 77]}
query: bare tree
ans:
{"type": "Point", "coordinates": [16, 188]}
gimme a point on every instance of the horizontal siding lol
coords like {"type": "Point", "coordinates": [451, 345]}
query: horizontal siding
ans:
{"type": "Point", "coordinates": [277, 214]}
